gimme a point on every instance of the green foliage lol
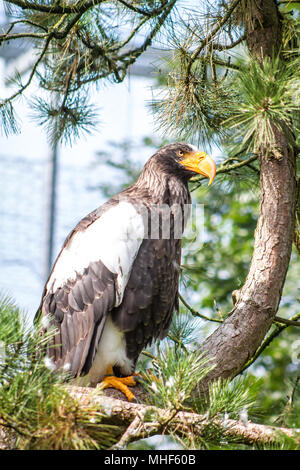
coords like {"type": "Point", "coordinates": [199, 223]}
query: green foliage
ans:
{"type": "Point", "coordinates": [266, 102]}
{"type": "Point", "coordinates": [233, 398]}
{"type": "Point", "coordinates": [175, 374]}
{"type": "Point", "coordinates": [35, 410]}
{"type": "Point", "coordinates": [64, 122]}
{"type": "Point", "coordinates": [289, 6]}
{"type": "Point", "coordinates": [185, 329]}
{"type": "Point", "coordinates": [226, 400]}
{"type": "Point", "coordinates": [204, 83]}
{"type": "Point", "coordinates": [171, 382]}
{"type": "Point", "coordinates": [192, 107]}
{"type": "Point", "coordinates": [246, 106]}
{"type": "Point", "coordinates": [8, 122]}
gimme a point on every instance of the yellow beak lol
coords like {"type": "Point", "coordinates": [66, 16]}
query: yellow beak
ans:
{"type": "Point", "coordinates": [201, 163]}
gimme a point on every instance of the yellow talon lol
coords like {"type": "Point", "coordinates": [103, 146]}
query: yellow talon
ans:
{"type": "Point", "coordinates": [119, 383]}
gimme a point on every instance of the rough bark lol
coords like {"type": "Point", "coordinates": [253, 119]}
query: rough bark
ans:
{"type": "Point", "coordinates": [237, 339]}
{"type": "Point", "coordinates": [261, 20]}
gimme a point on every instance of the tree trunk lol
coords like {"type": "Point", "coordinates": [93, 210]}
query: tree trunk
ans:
{"type": "Point", "coordinates": [237, 339]}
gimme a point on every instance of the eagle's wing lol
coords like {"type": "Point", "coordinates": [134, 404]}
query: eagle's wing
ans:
{"type": "Point", "coordinates": [88, 280]}
{"type": "Point", "coordinates": [151, 295]}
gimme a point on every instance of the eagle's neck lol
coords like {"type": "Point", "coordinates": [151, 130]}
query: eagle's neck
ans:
{"type": "Point", "coordinates": [161, 188]}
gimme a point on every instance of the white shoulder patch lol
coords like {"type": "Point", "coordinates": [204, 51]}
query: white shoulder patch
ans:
{"type": "Point", "coordinates": [114, 238]}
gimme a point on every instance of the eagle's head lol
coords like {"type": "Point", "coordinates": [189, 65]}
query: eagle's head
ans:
{"type": "Point", "coordinates": [184, 161]}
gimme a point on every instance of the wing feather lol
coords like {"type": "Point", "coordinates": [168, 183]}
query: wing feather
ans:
{"type": "Point", "coordinates": [88, 280]}
{"type": "Point", "coordinates": [151, 295]}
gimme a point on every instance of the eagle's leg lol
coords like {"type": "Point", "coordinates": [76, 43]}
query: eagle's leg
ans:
{"type": "Point", "coordinates": [119, 383]}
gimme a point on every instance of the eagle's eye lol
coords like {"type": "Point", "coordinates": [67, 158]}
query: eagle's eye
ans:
{"type": "Point", "coordinates": [180, 153]}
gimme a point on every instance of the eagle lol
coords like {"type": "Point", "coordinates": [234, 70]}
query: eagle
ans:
{"type": "Point", "coordinates": [113, 288]}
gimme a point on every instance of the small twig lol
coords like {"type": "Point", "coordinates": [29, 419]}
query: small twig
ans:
{"type": "Point", "coordinates": [219, 311]}
{"type": "Point", "coordinates": [224, 168]}
{"type": "Point", "coordinates": [197, 314]}
{"type": "Point", "coordinates": [177, 341]}
{"type": "Point", "coordinates": [167, 419]}
{"type": "Point", "coordinates": [253, 168]}
{"type": "Point", "coordinates": [20, 91]}
{"type": "Point", "coordinates": [223, 47]}
{"type": "Point", "coordinates": [211, 35]}
{"type": "Point", "coordinates": [56, 9]}
{"type": "Point", "coordinates": [138, 51]}
{"type": "Point", "coordinates": [146, 353]}
{"type": "Point", "coordinates": [268, 340]}
{"type": "Point", "coordinates": [149, 14]}
{"type": "Point", "coordinates": [130, 36]}
{"type": "Point", "coordinates": [131, 432]}
{"type": "Point", "coordinates": [52, 34]}
{"type": "Point", "coordinates": [7, 37]}
{"type": "Point", "coordinates": [286, 321]}
{"type": "Point", "coordinates": [281, 420]}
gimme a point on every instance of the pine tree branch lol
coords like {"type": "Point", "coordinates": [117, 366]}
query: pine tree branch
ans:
{"type": "Point", "coordinates": [33, 71]}
{"type": "Point", "coordinates": [286, 321]}
{"type": "Point", "coordinates": [82, 7]}
{"type": "Point", "coordinates": [195, 313]}
{"type": "Point", "coordinates": [177, 341]}
{"type": "Point", "coordinates": [216, 61]}
{"type": "Point", "coordinates": [5, 37]}
{"type": "Point", "coordinates": [129, 56]}
{"type": "Point", "coordinates": [211, 35]}
{"type": "Point", "coordinates": [52, 33]}
{"type": "Point", "coordinates": [225, 47]}
{"type": "Point", "coordinates": [132, 432]}
{"type": "Point", "coordinates": [277, 319]}
{"type": "Point", "coordinates": [140, 11]}
{"type": "Point", "coordinates": [138, 51]}
{"type": "Point", "coordinates": [130, 36]}
{"type": "Point", "coordinates": [78, 7]}
{"type": "Point", "coordinates": [62, 34]}
{"type": "Point", "coordinates": [143, 421]}
{"type": "Point", "coordinates": [270, 338]}
{"type": "Point", "coordinates": [225, 168]}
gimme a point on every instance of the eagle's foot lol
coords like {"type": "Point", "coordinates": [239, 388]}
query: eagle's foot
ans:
{"type": "Point", "coordinates": [120, 383]}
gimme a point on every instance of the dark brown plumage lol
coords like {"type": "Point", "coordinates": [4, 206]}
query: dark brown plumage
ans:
{"type": "Point", "coordinates": [114, 287]}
